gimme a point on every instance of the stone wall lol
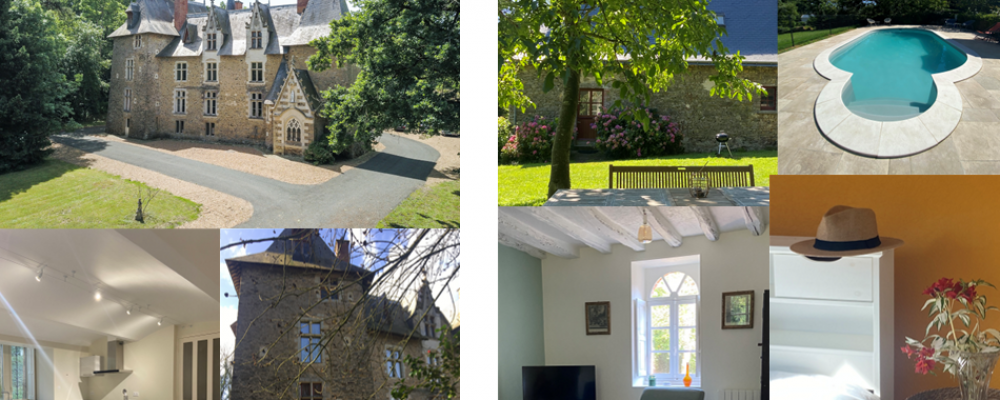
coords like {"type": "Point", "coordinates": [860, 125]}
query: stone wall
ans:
{"type": "Point", "coordinates": [688, 102]}
{"type": "Point", "coordinates": [153, 87]}
{"type": "Point", "coordinates": [353, 366]}
{"type": "Point", "coordinates": [145, 96]}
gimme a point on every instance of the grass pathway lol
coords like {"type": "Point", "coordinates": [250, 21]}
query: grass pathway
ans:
{"type": "Point", "coordinates": [527, 185]}
{"type": "Point", "coordinates": [56, 195]}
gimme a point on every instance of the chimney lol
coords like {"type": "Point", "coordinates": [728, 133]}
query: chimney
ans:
{"type": "Point", "coordinates": [302, 6]}
{"type": "Point", "coordinates": [180, 13]}
{"type": "Point", "coordinates": [238, 5]}
{"type": "Point", "coordinates": [344, 251]}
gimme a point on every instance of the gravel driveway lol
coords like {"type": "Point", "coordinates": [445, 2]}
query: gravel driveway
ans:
{"type": "Point", "coordinates": [358, 198]}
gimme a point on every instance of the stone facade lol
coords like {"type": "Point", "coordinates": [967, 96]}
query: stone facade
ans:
{"type": "Point", "coordinates": [267, 361]}
{"type": "Point", "coordinates": [686, 101]}
{"type": "Point", "coordinates": [153, 112]}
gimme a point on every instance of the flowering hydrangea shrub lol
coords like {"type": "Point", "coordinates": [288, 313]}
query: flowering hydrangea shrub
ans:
{"type": "Point", "coordinates": [531, 141]}
{"type": "Point", "coordinates": [620, 135]}
{"type": "Point", "coordinates": [504, 131]}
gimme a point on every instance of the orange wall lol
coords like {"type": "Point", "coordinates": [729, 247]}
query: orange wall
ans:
{"type": "Point", "coordinates": [951, 225]}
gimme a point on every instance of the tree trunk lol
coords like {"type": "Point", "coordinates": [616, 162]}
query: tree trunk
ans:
{"type": "Point", "coordinates": [559, 176]}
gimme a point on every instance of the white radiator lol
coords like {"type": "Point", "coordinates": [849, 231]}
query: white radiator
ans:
{"type": "Point", "coordinates": [741, 394]}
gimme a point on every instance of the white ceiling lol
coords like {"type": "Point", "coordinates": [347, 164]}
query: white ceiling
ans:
{"type": "Point", "coordinates": [170, 274]}
{"type": "Point", "coordinates": [562, 231]}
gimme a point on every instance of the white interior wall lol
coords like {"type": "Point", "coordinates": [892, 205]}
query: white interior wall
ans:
{"type": "Point", "coordinates": [151, 361]}
{"type": "Point", "coordinates": [66, 373]}
{"type": "Point", "coordinates": [730, 359]}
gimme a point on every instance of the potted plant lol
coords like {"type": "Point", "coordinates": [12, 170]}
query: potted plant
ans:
{"type": "Point", "coordinates": [967, 350]}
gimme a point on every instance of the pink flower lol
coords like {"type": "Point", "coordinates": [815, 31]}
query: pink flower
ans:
{"type": "Point", "coordinates": [534, 152]}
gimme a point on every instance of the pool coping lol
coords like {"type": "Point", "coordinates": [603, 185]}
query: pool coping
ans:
{"type": "Point", "coordinates": [890, 139]}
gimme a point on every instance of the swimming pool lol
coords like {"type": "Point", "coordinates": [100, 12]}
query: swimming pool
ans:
{"type": "Point", "coordinates": [893, 71]}
{"type": "Point", "coordinates": [891, 91]}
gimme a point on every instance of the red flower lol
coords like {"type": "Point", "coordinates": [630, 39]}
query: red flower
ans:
{"type": "Point", "coordinates": [951, 295]}
{"type": "Point", "coordinates": [940, 286]}
{"type": "Point", "coordinates": [924, 366]}
{"type": "Point", "coordinates": [970, 293]}
{"type": "Point", "coordinates": [926, 352]}
{"type": "Point", "coordinates": [908, 351]}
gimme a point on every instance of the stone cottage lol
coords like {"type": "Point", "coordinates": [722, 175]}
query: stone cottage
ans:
{"type": "Point", "coordinates": [751, 125]}
{"type": "Point", "coordinates": [320, 290]}
{"type": "Point", "coordinates": [188, 70]}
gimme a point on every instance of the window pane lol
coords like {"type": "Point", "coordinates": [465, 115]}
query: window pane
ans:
{"type": "Point", "coordinates": [399, 372]}
{"type": "Point", "coordinates": [688, 358]}
{"type": "Point", "coordinates": [304, 327]}
{"type": "Point", "coordinates": [661, 363]}
{"type": "Point", "coordinates": [661, 315]}
{"type": "Point", "coordinates": [388, 368]}
{"type": "Point", "coordinates": [304, 390]}
{"type": "Point", "coordinates": [317, 389]}
{"type": "Point", "coordinates": [584, 96]}
{"type": "Point", "coordinates": [595, 109]}
{"type": "Point", "coordinates": [688, 288]}
{"type": "Point", "coordinates": [674, 280]}
{"type": "Point", "coordinates": [315, 329]}
{"type": "Point", "coordinates": [686, 316]}
{"type": "Point", "coordinates": [687, 339]}
{"type": "Point", "coordinates": [304, 345]}
{"type": "Point", "coordinates": [661, 339]}
{"type": "Point", "coordinates": [660, 289]}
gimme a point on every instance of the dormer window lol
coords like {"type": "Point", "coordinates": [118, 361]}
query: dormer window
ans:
{"type": "Point", "coordinates": [255, 40]}
{"type": "Point", "coordinates": [138, 41]}
{"type": "Point", "coordinates": [210, 41]}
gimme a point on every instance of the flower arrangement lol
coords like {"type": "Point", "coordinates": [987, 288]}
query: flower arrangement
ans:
{"type": "Point", "coordinates": [955, 306]}
{"type": "Point", "coordinates": [621, 134]}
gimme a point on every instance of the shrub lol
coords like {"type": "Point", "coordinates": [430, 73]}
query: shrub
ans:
{"type": "Point", "coordinates": [530, 142]}
{"type": "Point", "coordinates": [621, 135]}
{"type": "Point", "coordinates": [503, 132]}
{"type": "Point", "coordinates": [318, 152]}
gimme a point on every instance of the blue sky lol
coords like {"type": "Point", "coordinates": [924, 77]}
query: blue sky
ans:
{"type": "Point", "coordinates": [229, 305]}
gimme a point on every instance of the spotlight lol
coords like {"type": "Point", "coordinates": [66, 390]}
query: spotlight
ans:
{"type": "Point", "coordinates": [39, 276]}
{"type": "Point", "coordinates": [129, 311]}
{"type": "Point", "coordinates": [97, 294]}
{"type": "Point", "coordinates": [160, 322]}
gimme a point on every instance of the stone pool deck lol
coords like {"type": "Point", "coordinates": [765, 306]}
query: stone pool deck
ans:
{"type": "Point", "coordinates": [972, 148]}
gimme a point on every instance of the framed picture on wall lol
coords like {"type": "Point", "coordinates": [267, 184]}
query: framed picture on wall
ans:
{"type": "Point", "coordinates": [737, 310]}
{"type": "Point", "coordinates": [598, 318]}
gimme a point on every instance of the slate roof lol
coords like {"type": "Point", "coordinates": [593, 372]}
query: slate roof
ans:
{"type": "Point", "coordinates": [314, 254]}
{"type": "Point", "coordinates": [388, 316]}
{"type": "Point", "coordinates": [285, 26]}
{"type": "Point", "coordinates": [278, 82]}
{"type": "Point", "coordinates": [310, 89]}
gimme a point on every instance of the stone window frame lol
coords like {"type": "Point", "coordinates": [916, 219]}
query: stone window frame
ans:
{"type": "Point", "coordinates": [325, 285]}
{"type": "Point", "coordinates": [260, 72]}
{"type": "Point", "coordinates": [769, 102]}
{"type": "Point", "coordinates": [256, 39]}
{"type": "Point", "coordinates": [129, 69]}
{"type": "Point", "coordinates": [209, 128]}
{"type": "Point", "coordinates": [429, 325]}
{"type": "Point", "coordinates": [297, 132]}
{"type": "Point", "coordinates": [257, 99]}
{"type": "Point", "coordinates": [212, 74]}
{"type": "Point", "coordinates": [179, 126]}
{"type": "Point", "coordinates": [128, 100]}
{"type": "Point", "coordinates": [181, 71]}
{"type": "Point", "coordinates": [393, 357]}
{"type": "Point", "coordinates": [211, 108]}
{"type": "Point", "coordinates": [312, 393]}
{"type": "Point", "coordinates": [313, 344]}
{"type": "Point", "coordinates": [211, 41]}
{"type": "Point", "coordinates": [180, 101]}
{"type": "Point", "coordinates": [137, 42]}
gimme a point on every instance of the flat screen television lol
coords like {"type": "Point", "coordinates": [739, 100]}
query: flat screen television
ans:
{"type": "Point", "coordinates": [561, 382]}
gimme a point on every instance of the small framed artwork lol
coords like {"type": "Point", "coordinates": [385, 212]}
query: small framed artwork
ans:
{"type": "Point", "coordinates": [599, 318]}
{"type": "Point", "coordinates": [737, 310]}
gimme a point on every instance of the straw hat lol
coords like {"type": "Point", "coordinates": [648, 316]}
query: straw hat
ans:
{"type": "Point", "coordinates": [845, 231]}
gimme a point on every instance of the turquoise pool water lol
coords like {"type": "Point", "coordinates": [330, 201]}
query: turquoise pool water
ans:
{"type": "Point", "coordinates": [892, 71]}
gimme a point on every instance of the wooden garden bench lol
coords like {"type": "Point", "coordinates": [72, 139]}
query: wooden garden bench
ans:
{"type": "Point", "coordinates": [652, 177]}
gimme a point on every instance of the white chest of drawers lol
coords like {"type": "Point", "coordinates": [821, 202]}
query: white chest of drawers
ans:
{"type": "Point", "coordinates": [833, 318]}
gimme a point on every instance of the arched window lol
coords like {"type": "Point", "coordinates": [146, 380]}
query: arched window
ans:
{"type": "Point", "coordinates": [293, 133]}
{"type": "Point", "coordinates": [673, 327]}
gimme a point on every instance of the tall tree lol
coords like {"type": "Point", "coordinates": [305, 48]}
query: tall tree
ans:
{"type": "Point", "coordinates": [566, 40]}
{"type": "Point", "coordinates": [32, 101]}
{"type": "Point", "coordinates": [408, 54]}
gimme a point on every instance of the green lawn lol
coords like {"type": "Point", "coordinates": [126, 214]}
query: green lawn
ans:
{"type": "Point", "coordinates": [436, 206]}
{"type": "Point", "coordinates": [56, 195]}
{"type": "Point", "coordinates": [527, 185]}
{"type": "Point", "coordinates": [806, 37]}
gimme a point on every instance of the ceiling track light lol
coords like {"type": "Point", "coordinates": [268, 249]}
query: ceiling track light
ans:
{"type": "Point", "coordinates": [160, 322]}
{"type": "Point", "coordinates": [97, 294]}
{"type": "Point", "coordinates": [129, 311]}
{"type": "Point", "coordinates": [40, 271]}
